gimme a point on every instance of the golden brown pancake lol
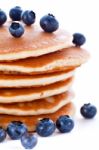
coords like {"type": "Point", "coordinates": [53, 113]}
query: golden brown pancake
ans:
{"type": "Point", "coordinates": [33, 43]}
{"type": "Point", "coordinates": [18, 81]}
{"type": "Point", "coordinates": [28, 94]}
{"type": "Point", "coordinates": [65, 59]}
{"type": "Point", "coordinates": [31, 121]}
{"type": "Point", "coordinates": [41, 106]}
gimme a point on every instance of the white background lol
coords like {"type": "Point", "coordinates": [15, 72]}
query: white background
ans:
{"type": "Point", "coordinates": [74, 16]}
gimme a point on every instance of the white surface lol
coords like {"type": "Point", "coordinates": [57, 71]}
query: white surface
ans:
{"type": "Point", "coordinates": [74, 16]}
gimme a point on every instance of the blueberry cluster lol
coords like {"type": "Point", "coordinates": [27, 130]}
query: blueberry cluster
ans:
{"type": "Point", "coordinates": [48, 22]}
{"type": "Point", "coordinates": [17, 130]}
{"type": "Point", "coordinates": [45, 127]}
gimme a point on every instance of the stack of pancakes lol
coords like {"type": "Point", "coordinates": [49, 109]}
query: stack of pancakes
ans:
{"type": "Point", "coordinates": [36, 75]}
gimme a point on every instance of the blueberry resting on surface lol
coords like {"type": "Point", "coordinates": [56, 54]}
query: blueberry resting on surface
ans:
{"type": "Point", "coordinates": [15, 13]}
{"type": "Point", "coordinates": [28, 140]}
{"type": "Point", "coordinates": [64, 124]}
{"type": "Point", "coordinates": [49, 23]}
{"type": "Point", "coordinates": [78, 39]}
{"type": "Point", "coordinates": [88, 111]}
{"type": "Point", "coordinates": [16, 29]}
{"type": "Point", "coordinates": [2, 134]}
{"type": "Point", "coordinates": [28, 17]}
{"type": "Point", "coordinates": [16, 129]}
{"type": "Point", "coordinates": [45, 127]}
{"type": "Point", "coordinates": [3, 17]}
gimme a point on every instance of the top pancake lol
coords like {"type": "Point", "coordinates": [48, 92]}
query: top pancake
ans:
{"type": "Point", "coordinates": [33, 43]}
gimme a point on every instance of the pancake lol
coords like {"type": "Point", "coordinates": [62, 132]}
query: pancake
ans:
{"type": "Point", "coordinates": [41, 106]}
{"type": "Point", "coordinates": [31, 121]}
{"type": "Point", "coordinates": [65, 59]}
{"type": "Point", "coordinates": [18, 81]}
{"type": "Point", "coordinates": [33, 43]}
{"type": "Point", "coordinates": [29, 94]}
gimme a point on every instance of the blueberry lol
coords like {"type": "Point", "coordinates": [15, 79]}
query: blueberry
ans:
{"type": "Point", "coordinates": [28, 140]}
{"type": "Point", "coordinates": [78, 39]}
{"type": "Point", "coordinates": [45, 127]}
{"type": "Point", "coordinates": [88, 111]}
{"type": "Point", "coordinates": [16, 29]}
{"type": "Point", "coordinates": [2, 134]}
{"type": "Point", "coordinates": [15, 13]}
{"type": "Point", "coordinates": [3, 17]}
{"type": "Point", "coordinates": [28, 17]}
{"type": "Point", "coordinates": [16, 129]}
{"type": "Point", "coordinates": [49, 23]}
{"type": "Point", "coordinates": [64, 124]}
